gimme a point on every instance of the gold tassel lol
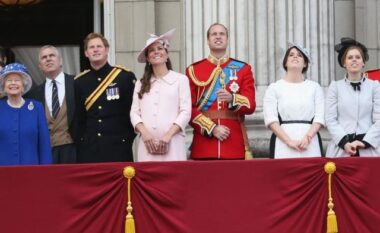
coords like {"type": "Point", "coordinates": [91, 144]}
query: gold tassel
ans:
{"type": "Point", "coordinates": [129, 173]}
{"type": "Point", "coordinates": [332, 223]}
{"type": "Point", "coordinates": [248, 154]}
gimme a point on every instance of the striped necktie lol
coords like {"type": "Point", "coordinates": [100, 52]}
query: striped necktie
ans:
{"type": "Point", "coordinates": [55, 100]}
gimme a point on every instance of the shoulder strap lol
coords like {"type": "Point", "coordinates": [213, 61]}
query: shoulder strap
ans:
{"type": "Point", "coordinates": [81, 74]}
{"type": "Point", "coordinates": [122, 67]}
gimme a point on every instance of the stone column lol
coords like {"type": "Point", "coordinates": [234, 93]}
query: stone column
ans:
{"type": "Point", "coordinates": [367, 29]}
{"type": "Point", "coordinates": [134, 20]}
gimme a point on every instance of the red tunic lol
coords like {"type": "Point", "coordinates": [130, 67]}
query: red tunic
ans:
{"type": "Point", "coordinates": [204, 76]}
{"type": "Point", "coordinates": [374, 74]}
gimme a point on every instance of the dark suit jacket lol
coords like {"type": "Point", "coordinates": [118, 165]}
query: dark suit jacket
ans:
{"type": "Point", "coordinates": [38, 93]}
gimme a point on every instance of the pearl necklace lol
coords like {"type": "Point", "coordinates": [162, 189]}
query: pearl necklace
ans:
{"type": "Point", "coordinates": [19, 105]}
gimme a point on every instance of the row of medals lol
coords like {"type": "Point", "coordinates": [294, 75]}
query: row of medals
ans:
{"type": "Point", "coordinates": [112, 93]}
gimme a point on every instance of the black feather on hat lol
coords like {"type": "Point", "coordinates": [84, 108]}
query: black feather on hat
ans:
{"type": "Point", "coordinates": [345, 43]}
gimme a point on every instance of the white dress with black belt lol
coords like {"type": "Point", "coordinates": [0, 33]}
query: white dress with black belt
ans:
{"type": "Point", "coordinates": [295, 106]}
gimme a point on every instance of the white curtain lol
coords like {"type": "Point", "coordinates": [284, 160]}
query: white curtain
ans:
{"type": "Point", "coordinates": [28, 55]}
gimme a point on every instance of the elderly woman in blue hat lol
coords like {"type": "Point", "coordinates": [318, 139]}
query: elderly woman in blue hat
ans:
{"type": "Point", "coordinates": [161, 106]}
{"type": "Point", "coordinates": [24, 135]}
{"type": "Point", "coordinates": [294, 109]}
{"type": "Point", "coordinates": [353, 105]}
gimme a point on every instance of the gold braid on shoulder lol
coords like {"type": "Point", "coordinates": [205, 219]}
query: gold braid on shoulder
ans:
{"type": "Point", "coordinates": [201, 83]}
{"type": "Point", "coordinates": [122, 67]}
{"type": "Point", "coordinates": [81, 74]}
{"type": "Point", "coordinates": [208, 94]}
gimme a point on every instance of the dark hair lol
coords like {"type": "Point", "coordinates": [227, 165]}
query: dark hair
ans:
{"type": "Point", "coordinates": [6, 56]}
{"type": "Point", "coordinates": [148, 72]}
{"type": "Point", "coordinates": [344, 54]}
{"type": "Point", "coordinates": [94, 35]}
{"type": "Point", "coordinates": [303, 55]}
{"type": "Point", "coordinates": [214, 24]}
{"type": "Point", "coordinates": [3, 57]}
{"type": "Point", "coordinates": [347, 44]}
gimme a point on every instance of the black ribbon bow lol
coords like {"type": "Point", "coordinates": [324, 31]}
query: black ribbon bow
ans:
{"type": "Point", "coordinates": [356, 86]}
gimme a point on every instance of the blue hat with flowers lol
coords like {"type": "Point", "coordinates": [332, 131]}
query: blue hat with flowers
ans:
{"type": "Point", "coordinates": [303, 50]}
{"type": "Point", "coordinates": [18, 69]}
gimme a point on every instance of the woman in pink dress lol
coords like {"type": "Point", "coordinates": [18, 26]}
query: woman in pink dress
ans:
{"type": "Point", "coordinates": [161, 106]}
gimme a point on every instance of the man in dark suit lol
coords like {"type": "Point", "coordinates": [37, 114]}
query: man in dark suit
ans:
{"type": "Point", "coordinates": [103, 98]}
{"type": "Point", "coordinates": [57, 95]}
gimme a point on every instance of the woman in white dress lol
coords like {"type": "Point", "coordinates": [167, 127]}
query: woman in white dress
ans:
{"type": "Point", "coordinates": [353, 106]}
{"type": "Point", "coordinates": [294, 109]}
{"type": "Point", "coordinates": [161, 105]}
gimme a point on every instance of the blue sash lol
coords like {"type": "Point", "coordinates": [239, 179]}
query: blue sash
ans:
{"type": "Point", "coordinates": [233, 66]}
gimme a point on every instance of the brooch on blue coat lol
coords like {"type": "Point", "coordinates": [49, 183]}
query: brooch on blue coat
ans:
{"type": "Point", "coordinates": [30, 106]}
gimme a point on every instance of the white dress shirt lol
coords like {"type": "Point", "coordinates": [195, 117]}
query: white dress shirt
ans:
{"type": "Point", "coordinates": [60, 81]}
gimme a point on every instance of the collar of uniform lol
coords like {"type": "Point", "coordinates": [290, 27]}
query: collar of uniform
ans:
{"type": "Point", "coordinates": [217, 61]}
{"type": "Point", "coordinates": [102, 72]}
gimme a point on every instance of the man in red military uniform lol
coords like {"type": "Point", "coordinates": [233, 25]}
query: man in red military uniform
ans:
{"type": "Point", "coordinates": [222, 92]}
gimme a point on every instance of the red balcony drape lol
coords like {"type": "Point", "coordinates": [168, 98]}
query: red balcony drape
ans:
{"type": "Point", "coordinates": [260, 196]}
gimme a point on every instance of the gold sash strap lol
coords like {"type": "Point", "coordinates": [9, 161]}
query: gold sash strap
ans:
{"type": "Point", "coordinates": [101, 88]}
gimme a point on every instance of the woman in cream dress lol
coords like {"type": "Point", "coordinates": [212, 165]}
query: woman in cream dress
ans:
{"type": "Point", "coordinates": [161, 106]}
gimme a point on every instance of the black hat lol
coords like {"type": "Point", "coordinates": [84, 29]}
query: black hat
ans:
{"type": "Point", "coordinates": [345, 43]}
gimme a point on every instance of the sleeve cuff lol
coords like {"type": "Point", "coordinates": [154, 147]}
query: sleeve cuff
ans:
{"type": "Point", "coordinates": [238, 101]}
{"type": "Point", "coordinates": [343, 141]}
{"type": "Point", "coordinates": [206, 124]}
{"type": "Point", "coordinates": [366, 144]}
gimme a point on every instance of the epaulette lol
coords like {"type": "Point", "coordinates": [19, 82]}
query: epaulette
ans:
{"type": "Point", "coordinates": [122, 67]}
{"type": "Point", "coordinates": [81, 74]}
{"type": "Point", "coordinates": [239, 60]}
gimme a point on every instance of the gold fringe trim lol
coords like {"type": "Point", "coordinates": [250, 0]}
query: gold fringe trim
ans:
{"type": "Point", "coordinates": [332, 223]}
{"type": "Point", "coordinates": [129, 172]}
{"type": "Point", "coordinates": [248, 154]}
{"type": "Point", "coordinates": [239, 101]}
{"type": "Point", "coordinates": [205, 123]}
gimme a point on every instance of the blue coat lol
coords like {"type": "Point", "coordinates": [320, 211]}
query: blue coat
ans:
{"type": "Point", "coordinates": [24, 135]}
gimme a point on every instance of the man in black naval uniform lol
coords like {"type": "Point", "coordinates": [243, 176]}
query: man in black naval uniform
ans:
{"type": "Point", "coordinates": [103, 99]}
